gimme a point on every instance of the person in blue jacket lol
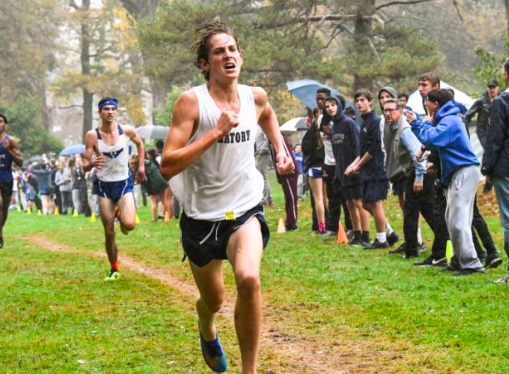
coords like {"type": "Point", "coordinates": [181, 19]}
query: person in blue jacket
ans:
{"type": "Point", "coordinates": [459, 172]}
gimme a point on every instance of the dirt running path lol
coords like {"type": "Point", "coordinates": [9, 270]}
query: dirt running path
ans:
{"type": "Point", "coordinates": [287, 354]}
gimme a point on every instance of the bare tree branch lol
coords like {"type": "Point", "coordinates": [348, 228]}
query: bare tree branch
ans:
{"type": "Point", "coordinates": [456, 5]}
{"type": "Point", "coordinates": [403, 3]}
{"type": "Point", "coordinates": [66, 107]}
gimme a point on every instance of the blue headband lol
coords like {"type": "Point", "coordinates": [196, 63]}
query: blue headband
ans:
{"type": "Point", "coordinates": [108, 102]}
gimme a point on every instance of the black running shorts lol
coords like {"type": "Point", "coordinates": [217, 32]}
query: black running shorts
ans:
{"type": "Point", "coordinates": [204, 241]}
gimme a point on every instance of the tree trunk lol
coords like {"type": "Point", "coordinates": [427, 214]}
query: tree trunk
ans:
{"type": "Point", "coordinates": [85, 70]}
{"type": "Point", "coordinates": [363, 33]}
{"type": "Point", "coordinates": [140, 9]}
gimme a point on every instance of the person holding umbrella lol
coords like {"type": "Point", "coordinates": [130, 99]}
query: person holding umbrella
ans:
{"type": "Point", "coordinates": [113, 183]}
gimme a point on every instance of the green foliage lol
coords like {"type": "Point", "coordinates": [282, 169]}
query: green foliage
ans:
{"type": "Point", "coordinates": [26, 127]}
{"type": "Point", "coordinates": [402, 55]}
{"type": "Point", "coordinates": [490, 65]}
{"type": "Point", "coordinates": [26, 45]}
{"type": "Point", "coordinates": [165, 116]}
{"type": "Point", "coordinates": [112, 62]}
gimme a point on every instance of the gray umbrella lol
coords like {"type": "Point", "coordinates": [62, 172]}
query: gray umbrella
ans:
{"type": "Point", "coordinates": [152, 132]}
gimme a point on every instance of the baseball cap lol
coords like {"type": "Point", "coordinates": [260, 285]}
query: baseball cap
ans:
{"type": "Point", "coordinates": [492, 83]}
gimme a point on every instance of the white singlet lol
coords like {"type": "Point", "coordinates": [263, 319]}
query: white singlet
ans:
{"type": "Point", "coordinates": [116, 158]}
{"type": "Point", "coordinates": [223, 183]}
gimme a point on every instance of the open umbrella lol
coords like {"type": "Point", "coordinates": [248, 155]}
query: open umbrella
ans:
{"type": "Point", "coordinates": [305, 91]}
{"type": "Point", "coordinates": [295, 124]}
{"type": "Point", "coordinates": [75, 149]}
{"type": "Point", "coordinates": [152, 132]}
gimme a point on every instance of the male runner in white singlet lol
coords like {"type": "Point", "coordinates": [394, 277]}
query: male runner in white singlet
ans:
{"type": "Point", "coordinates": [113, 182]}
{"type": "Point", "coordinates": [209, 154]}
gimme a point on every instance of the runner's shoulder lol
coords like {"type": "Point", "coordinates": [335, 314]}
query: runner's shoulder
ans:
{"type": "Point", "coordinates": [186, 105]}
{"type": "Point", "coordinates": [260, 96]}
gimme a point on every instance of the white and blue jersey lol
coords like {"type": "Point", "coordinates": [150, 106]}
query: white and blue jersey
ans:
{"type": "Point", "coordinates": [114, 179]}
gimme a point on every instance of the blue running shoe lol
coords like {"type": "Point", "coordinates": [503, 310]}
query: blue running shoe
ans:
{"type": "Point", "coordinates": [213, 354]}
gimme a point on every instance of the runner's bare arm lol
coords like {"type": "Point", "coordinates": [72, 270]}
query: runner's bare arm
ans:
{"type": "Point", "coordinates": [133, 135]}
{"type": "Point", "coordinates": [90, 147]}
{"type": "Point", "coordinates": [177, 154]}
{"type": "Point", "coordinates": [269, 124]}
{"type": "Point", "coordinates": [12, 147]}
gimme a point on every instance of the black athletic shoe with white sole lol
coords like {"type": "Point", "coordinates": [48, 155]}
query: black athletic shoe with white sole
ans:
{"type": "Point", "coordinates": [431, 261]}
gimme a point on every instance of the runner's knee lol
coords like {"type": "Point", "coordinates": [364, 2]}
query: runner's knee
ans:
{"type": "Point", "coordinates": [248, 283]}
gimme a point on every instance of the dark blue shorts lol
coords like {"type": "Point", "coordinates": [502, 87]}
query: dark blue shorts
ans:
{"type": "Point", "coordinates": [6, 188]}
{"type": "Point", "coordinates": [45, 191]}
{"type": "Point", "coordinates": [353, 192]}
{"type": "Point", "coordinates": [375, 190]}
{"type": "Point", "coordinates": [204, 241]}
{"type": "Point", "coordinates": [113, 190]}
{"type": "Point", "coordinates": [399, 186]}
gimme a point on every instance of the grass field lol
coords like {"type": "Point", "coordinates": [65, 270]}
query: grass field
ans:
{"type": "Point", "coordinates": [328, 309]}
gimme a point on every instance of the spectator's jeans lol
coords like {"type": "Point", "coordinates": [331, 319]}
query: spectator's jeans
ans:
{"type": "Point", "coordinates": [459, 214]}
{"type": "Point", "coordinates": [76, 200]}
{"type": "Point", "coordinates": [502, 190]}
{"type": "Point", "coordinates": [66, 201]}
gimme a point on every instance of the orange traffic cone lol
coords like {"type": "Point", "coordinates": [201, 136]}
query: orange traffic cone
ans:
{"type": "Point", "coordinates": [342, 239]}
{"type": "Point", "coordinates": [281, 227]}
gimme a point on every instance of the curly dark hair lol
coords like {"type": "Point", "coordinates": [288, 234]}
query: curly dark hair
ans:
{"type": "Point", "coordinates": [201, 46]}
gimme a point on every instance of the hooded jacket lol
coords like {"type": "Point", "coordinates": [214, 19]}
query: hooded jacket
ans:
{"type": "Point", "coordinates": [313, 153]}
{"type": "Point", "coordinates": [391, 91]}
{"type": "Point", "coordinates": [449, 137]}
{"type": "Point", "coordinates": [345, 136]}
{"type": "Point", "coordinates": [496, 157]}
{"type": "Point", "coordinates": [481, 107]}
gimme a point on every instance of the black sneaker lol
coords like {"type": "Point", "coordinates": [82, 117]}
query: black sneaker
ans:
{"type": "Point", "coordinates": [464, 272]}
{"type": "Point", "coordinates": [400, 249]}
{"type": "Point", "coordinates": [356, 242]}
{"type": "Point", "coordinates": [392, 238]}
{"type": "Point", "coordinates": [377, 245]}
{"type": "Point", "coordinates": [411, 254]}
{"type": "Point", "coordinates": [421, 248]}
{"type": "Point", "coordinates": [452, 266]}
{"type": "Point", "coordinates": [430, 261]}
{"type": "Point", "coordinates": [493, 260]}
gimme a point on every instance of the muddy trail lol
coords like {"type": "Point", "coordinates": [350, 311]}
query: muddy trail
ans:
{"type": "Point", "coordinates": [285, 353]}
